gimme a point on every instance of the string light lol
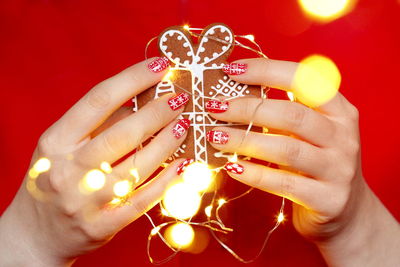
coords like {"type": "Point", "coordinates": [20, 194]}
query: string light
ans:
{"type": "Point", "coordinates": [198, 175]}
{"type": "Point", "coordinates": [122, 188]}
{"type": "Point", "coordinates": [106, 167]}
{"type": "Point", "coordinates": [135, 173]}
{"type": "Point", "coordinates": [94, 180]}
{"type": "Point", "coordinates": [281, 217]}
{"type": "Point", "coordinates": [180, 235]}
{"type": "Point", "coordinates": [182, 200]}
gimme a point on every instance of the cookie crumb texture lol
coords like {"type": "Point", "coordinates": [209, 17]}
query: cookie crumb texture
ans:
{"type": "Point", "coordinates": [197, 68]}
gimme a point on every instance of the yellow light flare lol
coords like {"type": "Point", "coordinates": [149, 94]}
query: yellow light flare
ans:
{"type": "Point", "coordinates": [155, 230]}
{"type": "Point", "coordinates": [168, 76]}
{"type": "Point", "coordinates": [106, 167]}
{"type": "Point", "coordinates": [33, 174]}
{"type": "Point", "coordinates": [135, 173]}
{"type": "Point", "coordinates": [115, 201]}
{"type": "Point", "coordinates": [208, 210]}
{"type": "Point", "coordinates": [221, 202]}
{"type": "Point", "coordinates": [180, 235]}
{"type": "Point", "coordinates": [94, 180]}
{"type": "Point", "coordinates": [281, 217]}
{"type": "Point", "coordinates": [326, 10]}
{"type": "Point", "coordinates": [181, 201]}
{"type": "Point", "coordinates": [42, 165]}
{"type": "Point", "coordinates": [233, 158]}
{"type": "Point", "coordinates": [186, 27]}
{"type": "Point", "coordinates": [290, 96]}
{"type": "Point", "coordinates": [198, 175]}
{"type": "Point", "coordinates": [316, 81]}
{"type": "Point", "coordinates": [250, 37]}
{"type": "Point", "coordinates": [122, 188]}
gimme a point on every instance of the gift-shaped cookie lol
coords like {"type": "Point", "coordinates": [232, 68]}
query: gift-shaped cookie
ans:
{"type": "Point", "coordinates": [197, 70]}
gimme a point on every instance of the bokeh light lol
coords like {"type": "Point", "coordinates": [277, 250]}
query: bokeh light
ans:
{"type": "Point", "coordinates": [198, 175]}
{"type": "Point", "coordinates": [122, 188]}
{"type": "Point", "coordinates": [326, 10]}
{"type": "Point", "coordinates": [317, 80]}
{"type": "Point", "coordinates": [181, 201]}
{"type": "Point", "coordinates": [180, 235]}
{"type": "Point", "coordinates": [93, 180]}
{"type": "Point", "coordinates": [106, 167]}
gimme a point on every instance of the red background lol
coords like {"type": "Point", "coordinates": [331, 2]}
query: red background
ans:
{"type": "Point", "coordinates": [52, 52]}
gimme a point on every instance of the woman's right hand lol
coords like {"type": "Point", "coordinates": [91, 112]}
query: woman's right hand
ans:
{"type": "Point", "coordinates": [53, 218]}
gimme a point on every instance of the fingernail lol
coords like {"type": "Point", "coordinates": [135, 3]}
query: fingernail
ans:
{"type": "Point", "coordinates": [217, 137]}
{"type": "Point", "coordinates": [216, 106]}
{"type": "Point", "coordinates": [234, 168]}
{"type": "Point", "coordinates": [235, 68]}
{"type": "Point", "coordinates": [159, 64]}
{"type": "Point", "coordinates": [180, 128]}
{"type": "Point", "coordinates": [181, 168]}
{"type": "Point", "coordinates": [178, 101]}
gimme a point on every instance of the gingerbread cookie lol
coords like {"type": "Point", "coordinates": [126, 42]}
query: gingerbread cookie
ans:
{"type": "Point", "coordinates": [197, 69]}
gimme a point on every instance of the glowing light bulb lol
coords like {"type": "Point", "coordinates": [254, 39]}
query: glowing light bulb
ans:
{"type": "Point", "coordinates": [250, 37]}
{"type": "Point", "coordinates": [186, 27]}
{"type": "Point", "coordinates": [198, 175]}
{"type": "Point", "coordinates": [290, 96]}
{"type": "Point", "coordinates": [134, 172]}
{"type": "Point", "coordinates": [168, 76]}
{"type": "Point", "coordinates": [281, 217]}
{"type": "Point", "coordinates": [208, 210]}
{"type": "Point", "coordinates": [181, 201]}
{"type": "Point", "coordinates": [115, 201]}
{"type": "Point", "coordinates": [122, 188]}
{"type": "Point", "coordinates": [326, 10]}
{"type": "Point", "coordinates": [155, 230]}
{"type": "Point", "coordinates": [221, 202]}
{"type": "Point", "coordinates": [93, 180]}
{"type": "Point", "coordinates": [42, 165]}
{"type": "Point", "coordinates": [180, 235]}
{"type": "Point", "coordinates": [106, 167]}
{"type": "Point", "coordinates": [317, 80]}
{"type": "Point", "coordinates": [233, 158]}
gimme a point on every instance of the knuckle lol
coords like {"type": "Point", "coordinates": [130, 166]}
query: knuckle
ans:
{"type": "Point", "coordinates": [46, 144]}
{"type": "Point", "coordinates": [248, 109]}
{"type": "Point", "coordinates": [353, 147]}
{"type": "Point", "coordinates": [70, 209]}
{"type": "Point", "coordinates": [353, 112]}
{"type": "Point", "coordinates": [288, 185]}
{"type": "Point", "coordinates": [98, 98]}
{"type": "Point", "coordinates": [294, 115]}
{"type": "Point", "coordinates": [292, 152]}
{"type": "Point", "coordinates": [92, 233]}
{"type": "Point", "coordinates": [110, 142]}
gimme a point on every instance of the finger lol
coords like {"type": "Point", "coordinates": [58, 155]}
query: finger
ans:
{"type": "Point", "coordinates": [143, 198]}
{"type": "Point", "coordinates": [118, 115]}
{"type": "Point", "coordinates": [297, 188]}
{"type": "Point", "coordinates": [100, 102]}
{"type": "Point", "coordinates": [128, 133]}
{"type": "Point", "coordinates": [279, 149]}
{"type": "Point", "coordinates": [280, 115]}
{"type": "Point", "coordinates": [148, 160]}
{"type": "Point", "coordinates": [277, 74]}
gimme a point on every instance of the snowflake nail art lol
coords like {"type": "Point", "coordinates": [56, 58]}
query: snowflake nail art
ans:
{"type": "Point", "coordinates": [234, 168]}
{"type": "Point", "coordinates": [216, 106]}
{"type": "Point", "coordinates": [217, 137]}
{"type": "Point", "coordinates": [181, 168]}
{"type": "Point", "coordinates": [235, 68]}
{"type": "Point", "coordinates": [180, 128]}
{"type": "Point", "coordinates": [178, 101]}
{"type": "Point", "coordinates": [158, 64]}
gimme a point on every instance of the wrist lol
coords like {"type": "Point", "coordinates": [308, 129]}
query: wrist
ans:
{"type": "Point", "coordinates": [21, 237]}
{"type": "Point", "coordinates": [367, 235]}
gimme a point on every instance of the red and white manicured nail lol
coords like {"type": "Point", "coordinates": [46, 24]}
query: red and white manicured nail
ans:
{"type": "Point", "coordinates": [180, 128]}
{"type": "Point", "coordinates": [159, 64]}
{"type": "Point", "coordinates": [181, 168]}
{"type": "Point", "coordinates": [234, 168]}
{"type": "Point", "coordinates": [235, 68]}
{"type": "Point", "coordinates": [178, 101]}
{"type": "Point", "coordinates": [216, 106]}
{"type": "Point", "coordinates": [217, 137]}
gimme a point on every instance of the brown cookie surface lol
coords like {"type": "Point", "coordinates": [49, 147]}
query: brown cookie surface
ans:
{"type": "Point", "coordinates": [197, 69]}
